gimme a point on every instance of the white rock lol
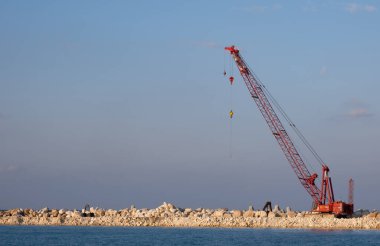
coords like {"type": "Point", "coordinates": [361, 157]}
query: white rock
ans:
{"type": "Point", "coordinates": [261, 214]}
{"type": "Point", "coordinates": [237, 213]}
{"type": "Point", "coordinates": [276, 209]}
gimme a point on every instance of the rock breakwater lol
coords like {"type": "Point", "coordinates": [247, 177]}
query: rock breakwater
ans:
{"type": "Point", "coordinates": [168, 215]}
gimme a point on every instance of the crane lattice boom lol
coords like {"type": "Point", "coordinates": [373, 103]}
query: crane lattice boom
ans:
{"type": "Point", "coordinates": [276, 127]}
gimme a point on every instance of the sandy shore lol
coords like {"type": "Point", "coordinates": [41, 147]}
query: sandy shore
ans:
{"type": "Point", "coordinates": [167, 215]}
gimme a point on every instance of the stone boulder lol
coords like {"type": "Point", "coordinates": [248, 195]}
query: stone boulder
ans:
{"type": "Point", "coordinates": [111, 212]}
{"type": "Point", "coordinates": [20, 212]}
{"type": "Point", "coordinates": [227, 215]}
{"type": "Point", "coordinates": [372, 215]}
{"type": "Point", "coordinates": [167, 206]}
{"type": "Point", "coordinates": [54, 212]}
{"type": "Point", "coordinates": [186, 212]}
{"type": "Point", "coordinates": [76, 214]}
{"type": "Point", "coordinates": [13, 212]}
{"type": "Point", "coordinates": [273, 214]}
{"type": "Point", "coordinates": [277, 209]}
{"type": "Point", "coordinates": [99, 212]}
{"type": "Point", "coordinates": [301, 215]}
{"type": "Point", "coordinates": [237, 213]}
{"type": "Point", "coordinates": [291, 214]}
{"type": "Point", "coordinates": [28, 211]}
{"type": "Point", "coordinates": [261, 214]}
{"type": "Point", "coordinates": [218, 213]}
{"type": "Point", "coordinates": [124, 212]}
{"type": "Point", "coordinates": [249, 214]}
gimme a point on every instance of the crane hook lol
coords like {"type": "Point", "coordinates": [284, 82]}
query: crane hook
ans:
{"type": "Point", "coordinates": [231, 80]}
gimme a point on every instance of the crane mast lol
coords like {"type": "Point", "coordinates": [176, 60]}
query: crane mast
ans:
{"type": "Point", "coordinates": [322, 198]}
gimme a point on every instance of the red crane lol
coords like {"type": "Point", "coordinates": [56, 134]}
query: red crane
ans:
{"type": "Point", "coordinates": [323, 198]}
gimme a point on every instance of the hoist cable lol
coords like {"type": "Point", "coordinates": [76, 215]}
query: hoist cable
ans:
{"type": "Point", "coordinates": [287, 118]}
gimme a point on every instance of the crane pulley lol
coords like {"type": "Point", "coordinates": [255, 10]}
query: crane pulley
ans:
{"type": "Point", "coordinates": [323, 198]}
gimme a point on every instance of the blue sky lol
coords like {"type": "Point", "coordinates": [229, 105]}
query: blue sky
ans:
{"type": "Point", "coordinates": [114, 103]}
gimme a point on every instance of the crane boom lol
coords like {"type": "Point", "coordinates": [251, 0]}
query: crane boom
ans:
{"type": "Point", "coordinates": [276, 127]}
{"type": "Point", "coordinates": [323, 198]}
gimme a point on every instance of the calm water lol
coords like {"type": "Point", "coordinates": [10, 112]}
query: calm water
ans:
{"type": "Point", "coordinates": [35, 235]}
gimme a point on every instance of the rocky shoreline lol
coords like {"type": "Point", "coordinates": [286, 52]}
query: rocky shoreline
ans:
{"type": "Point", "coordinates": [168, 215]}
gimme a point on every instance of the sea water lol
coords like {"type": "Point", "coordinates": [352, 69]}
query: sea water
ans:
{"type": "Point", "coordinates": [67, 235]}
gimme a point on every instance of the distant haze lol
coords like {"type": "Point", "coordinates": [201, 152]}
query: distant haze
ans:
{"type": "Point", "coordinates": [114, 103]}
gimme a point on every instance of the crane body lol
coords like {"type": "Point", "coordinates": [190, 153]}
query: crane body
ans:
{"type": "Point", "coordinates": [323, 197]}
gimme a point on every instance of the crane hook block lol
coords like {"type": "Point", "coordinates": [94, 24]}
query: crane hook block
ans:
{"type": "Point", "coordinates": [231, 114]}
{"type": "Point", "coordinates": [231, 80]}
